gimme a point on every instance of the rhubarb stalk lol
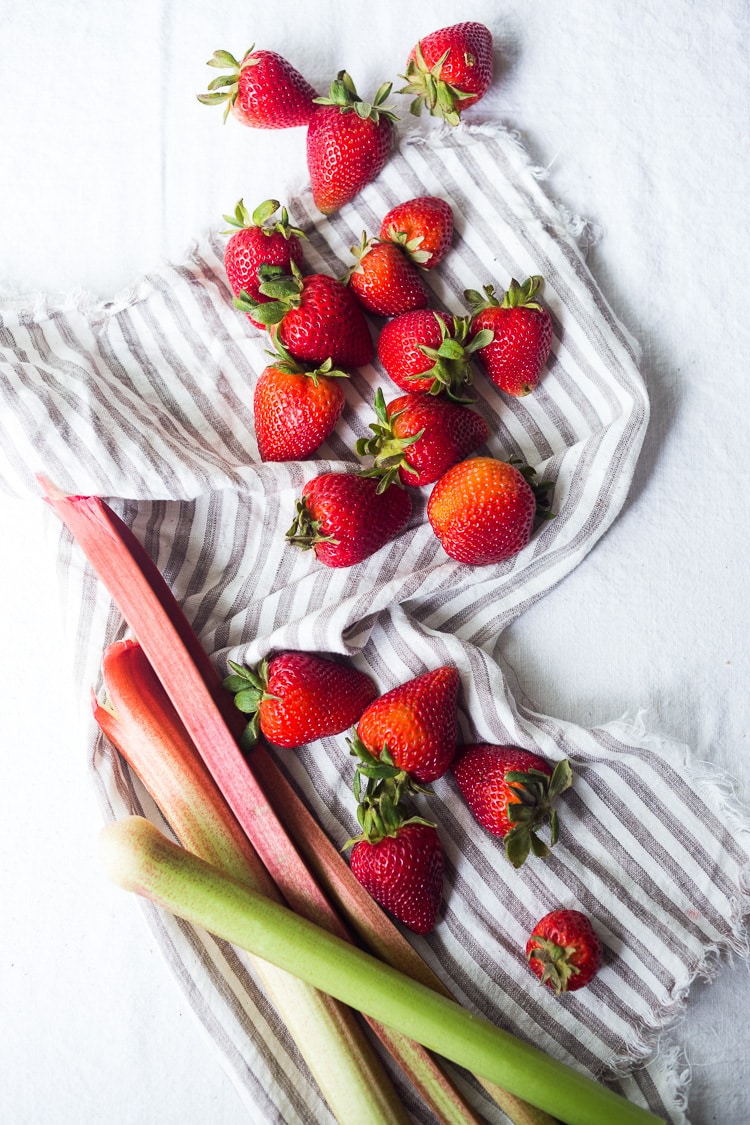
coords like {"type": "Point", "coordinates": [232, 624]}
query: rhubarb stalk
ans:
{"type": "Point", "coordinates": [195, 688]}
{"type": "Point", "coordinates": [140, 721]}
{"type": "Point", "coordinates": [139, 858]}
{"type": "Point", "coordinates": [142, 724]}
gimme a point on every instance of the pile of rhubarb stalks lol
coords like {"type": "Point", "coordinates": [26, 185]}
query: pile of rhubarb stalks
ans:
{"type": "Point", "coordinates": [251, 865]}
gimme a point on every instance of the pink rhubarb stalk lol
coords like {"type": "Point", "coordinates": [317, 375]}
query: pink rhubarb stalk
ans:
{"type": "Point", "coordinates": [195, 688]}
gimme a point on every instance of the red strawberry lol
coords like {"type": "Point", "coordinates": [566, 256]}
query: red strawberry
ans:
{"type": "Point", "coordinates": [344, 518]}
{"type": "Point", "coordinates": [511, 791]}
{"type": "Point", "coordinates": [423, 227]}
{"type": "Point", "coordinates": [348, 142]}
{"type": "Point", "coordinates": [416, 723]}
{"type": "Point", "coordinates": [263, 90]}
{"type": "Point", "coordinates": [418, 438]}
{"type": "Point", "coordinates": [257, 243]}
{"type": "Point", "coordinates": [449, 70]}
{"type": "Point", "coordinates": [296, 697]}
{"type": "Point", "coordinates": [404, 873]}
{"type": "Point", "coordinates": [522, 334]}
{"type": "Point", "coordinates": [384, 280]}
{"type": "Point", "coordinates": [482, 510]}
{"type": "Point", "coordinates": [295, 408]}
{"type": "Point", "coordinates": [564, 950]}
{"type": "Point", "coordinates": [426, 352]}
{"type": "Point", "coordinates": [315, 317]}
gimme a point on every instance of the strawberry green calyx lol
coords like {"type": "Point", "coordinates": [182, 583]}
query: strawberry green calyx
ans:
{"type": "Point", "coordinates": [451, 369]}
{"type": "Point", "coordinates": [343, 93]}
{"type": "Point", "coordinates": [360, 251]}
{"type": "Point", "coordinates": [430, 90]}
{"type": "Point", "coordinates": [542, 489]}
{"type": "Point", "coordinates": [410, 246]}
{"type": "Point", "coordinates": [536, 793]}
{"type": "Point", "coordinates": [226, 87]}
{"type": "Point", "coordinates": [249, 686]}
{"type": "Point", "coordinates": [557, 968]}
{"type": "Point", "coordinates": [388, 450]}
{"type": "Point", "coordinates": [242, 219]}
{"type": "Point", "coordinates": [305, 531]}
{"type": "Point", "coordinates": [284, 361]}
{"type": "Point", "coordinates": [379, 787]}
{"type": "Point", "coordinates": [283, 290]}
{"type": "Point", "coordinates": [516, 296]}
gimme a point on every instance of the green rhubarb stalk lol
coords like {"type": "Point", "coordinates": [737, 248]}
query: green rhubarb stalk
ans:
{"type": "Point", "coordinates": [141, 722]}
{"type": "Point", "coordinates": [195, 688]}
{"type": "Point", "coordinates": [139, 858]}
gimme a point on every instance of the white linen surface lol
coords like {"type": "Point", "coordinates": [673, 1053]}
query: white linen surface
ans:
{"type": "Point", "coordinates": [642, 117]}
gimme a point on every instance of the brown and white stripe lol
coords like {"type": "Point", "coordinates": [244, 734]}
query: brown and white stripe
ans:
{"type": "Point", "coordinates": [146, 400]}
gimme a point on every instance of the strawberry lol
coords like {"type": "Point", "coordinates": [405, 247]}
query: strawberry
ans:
{"type": "Point", "coordinates": [511, 791]}
{"type": "Point", "coordinates": [522, 334]}
{"type": "Point", "coordinates": [344, 518]}
{"type": "Point", "coordinates": [423, 227]}
{"type": "Point", "coordinates": [263, 90]}
{"type": "Point", "coordinates": [295, 408]}
{"type": "Point", "coordinates": [256, 243]}
{"type": "Point", "coordinates": [384, 280]}
{"type": "Point", "coordinates": [428, 352]}
{"type": "Point", "coordinates": [315, 317]}
{"type": "Point", "coordinates": [449, 70]}
{"type": "Point", "coordinates": [403, 871]}
{"type": "Point", "coordinates": [296, 697]}
{"type": "Point", "coordinates": [564, 950]}
{"type": "Point", "coordinates": [348, 142]}
{"type": "Point", "coordinates": [482, 510]}
{"type": "Point", "coordinates": [416, 723]}
{"type": "Point", "coordinates": [417, 438]}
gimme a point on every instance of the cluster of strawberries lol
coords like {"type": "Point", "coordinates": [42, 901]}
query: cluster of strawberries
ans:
{"type": "Point", "coordinates": [403, 741]}
{"type": "Point", "coordinates": [349, 139]}
{"type": "Point", "coordinates": [482, 510]}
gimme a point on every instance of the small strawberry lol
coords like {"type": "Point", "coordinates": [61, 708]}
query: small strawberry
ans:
{"type": "Point", "coordinates": [256, 243]}
{"type": "Point", "coordinates": [296, 697]}
{"type": "Point", "coordinates": [295, 408]}
{"type": "Point", "coordinates": [416, 723]}
{"type": "Point", "coordinates": [449, 70]}
{"type": "Point", "coordinates": [315, 317]}
{"type": "Point", "coordinates": [564, 950]}
{"type": "Point", "coordinates": [511, 793]}
{"type": "Point", "coordinates": [344, 518]}
{"type": "Point", "coordinates": [400, 867]}
{"type": "Point", "coordinates": [482, 510]}
{"type": "Point", "coordinates": [417, 438]}
{"type": "Point", "coordinates": [522, 334]}
{"type": "Point", "coordinates": [403, 871]}
{"type": "Point", "coordinates": [384, 280]}
{"type": "Point", "coordinates": [423, 227]}
{"type": "Point", "coordinates": [427, 352]}
{"type": "Point", "coordinates": [348, 142]}
{"type": "Point", "coordinates": [263, 90]}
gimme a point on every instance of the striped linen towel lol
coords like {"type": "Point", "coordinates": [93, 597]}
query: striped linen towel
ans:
{"type": "Point", "coordinates": [146, 400]}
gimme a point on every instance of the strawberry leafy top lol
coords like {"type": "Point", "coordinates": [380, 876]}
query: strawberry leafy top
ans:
{"type": "Point", "coordinates": [430, 90]}
{"type": "Point", "coordinates": [516, 296]}
{"type": "Point", "coordinates": [388, 450]}
{"type": "Point", "coordinates": [380, 787]}
{"type": "Point", "coordinates": [225, 87]}
{"type": "Point", "coordinates": [243, 220]}
{"type": "Point", "coordinates": [536, 792]}
{"type": "Point", "coordinates": [343, 93]}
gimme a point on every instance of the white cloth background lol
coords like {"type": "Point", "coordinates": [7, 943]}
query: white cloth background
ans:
{"type": "Point", "coordinates": [109, 164]}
